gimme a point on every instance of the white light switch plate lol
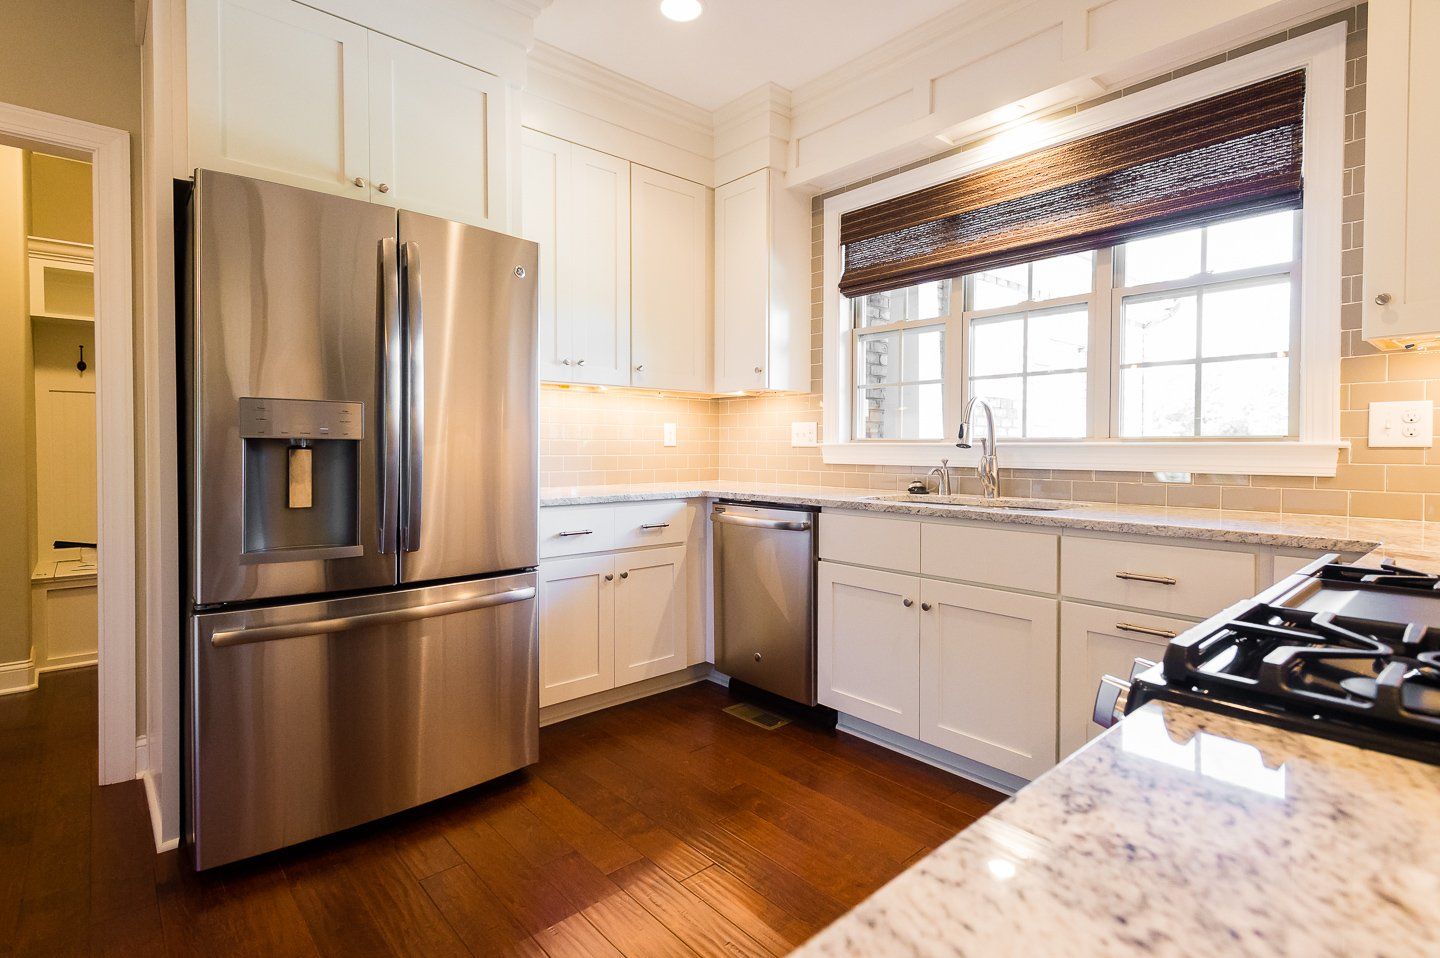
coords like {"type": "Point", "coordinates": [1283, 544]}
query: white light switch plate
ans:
{"type": "Point", "coordinates": [803, 434]}
{"type": "Point", "coordinates": [669, 434]}
{"type": "Point", "coordinates": [1402, 424]}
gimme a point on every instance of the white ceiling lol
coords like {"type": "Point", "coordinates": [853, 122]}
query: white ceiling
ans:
{"type": "Point", "coordinates": [735, 46]}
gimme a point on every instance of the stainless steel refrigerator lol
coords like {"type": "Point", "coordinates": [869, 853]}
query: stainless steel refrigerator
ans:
{"type": "Point", "coordinates": [360, 401]}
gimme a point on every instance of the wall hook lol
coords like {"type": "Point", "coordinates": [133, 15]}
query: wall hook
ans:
{"type": "Point", "coordinates": [82, 365]}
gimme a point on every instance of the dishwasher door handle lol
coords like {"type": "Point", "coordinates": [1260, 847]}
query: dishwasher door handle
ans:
{"type": "Point", "coordinates": [780, 524]}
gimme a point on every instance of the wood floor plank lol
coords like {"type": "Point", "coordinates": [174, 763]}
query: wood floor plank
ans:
{"type": "Point", "coordinates": [477, 917]}
{"type": "Point", "coordinates": [602, 847]}
{"type": "Point", "coordinates": [706, 931]}
{"type": "Point", "coordinates": [773, 927]}
{"type": "Point", "coordinates": [633, 931]}
{"type": "Point", "coordinates": [246, 908]}
{"type": "Point", "coordinates": [655, 842]}
{"type": "Point", "coordinates": [523, 889]}
{"type": "Point", "coordinates": [361, 900]}
{"type": "Point", "coordinates": [575, 937]}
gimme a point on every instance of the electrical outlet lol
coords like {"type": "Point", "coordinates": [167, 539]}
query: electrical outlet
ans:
{"type": "Point", "coordinates": [1402, 424]}
{"type": "Point", "coordinates": [803, 434]}
{"type": "Point", "coordinates": [669, 434]}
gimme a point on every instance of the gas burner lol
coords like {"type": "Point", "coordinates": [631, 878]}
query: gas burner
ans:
{"type": "Point", "coordinates": [1388, 575]}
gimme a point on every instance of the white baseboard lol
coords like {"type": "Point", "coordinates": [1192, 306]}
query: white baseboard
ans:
{"type": "Point", "coordinates": [80, 661]}
{"type": "Point", "coordinates": [561, 711]}
{"type": "Point", "coordinates": [18, 677]}
{"type": "Point", "coordinates": [930, 755]}
{"type": "Point", "coordinates": [719, 678]}
{"type": "Point", "coordinates": [152, 798]}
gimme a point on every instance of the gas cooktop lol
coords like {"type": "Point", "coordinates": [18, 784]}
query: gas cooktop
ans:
{"type": "Point", "coordinates": [1343, 651]}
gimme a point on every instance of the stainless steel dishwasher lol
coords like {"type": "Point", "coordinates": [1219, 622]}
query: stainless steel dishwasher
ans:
{"type": "Point", "coordinates": [765, 596]}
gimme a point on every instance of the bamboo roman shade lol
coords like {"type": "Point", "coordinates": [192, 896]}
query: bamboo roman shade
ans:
{"type": "Point", "coordinates": [1233, 153]}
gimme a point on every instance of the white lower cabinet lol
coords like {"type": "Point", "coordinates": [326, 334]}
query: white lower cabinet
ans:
{"type": "Point", "coordinates": [869, 655]}
{"type": "Point", "coordinates": [650, 603]}
{"type": "Point", "coordinates": [610, 620]}
{"type": "Point", "coordinates": [987, 675]}
{"type": "Point", "coordinates": [577, 627]}
{"type": "Point", "coordinates": [1096, 641]}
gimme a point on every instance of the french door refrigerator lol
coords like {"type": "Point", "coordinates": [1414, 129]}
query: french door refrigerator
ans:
{"type": "Point", "coordinates": [360, 402]}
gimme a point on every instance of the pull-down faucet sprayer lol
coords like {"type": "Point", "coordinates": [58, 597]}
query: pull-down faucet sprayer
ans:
{"type": "Point", "coordinates": [989, 463]}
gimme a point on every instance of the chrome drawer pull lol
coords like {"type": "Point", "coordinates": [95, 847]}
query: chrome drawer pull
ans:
{"type": "Point", "coordinates": [1146, 577]}
{"type": "Point", "coordinates": [654, 525]}
{"type": "Point", "coordinates": [1145, 630]}
{"type": "Point", "coordinates": [579, 532]}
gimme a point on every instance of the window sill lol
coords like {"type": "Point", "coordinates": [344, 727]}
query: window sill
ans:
{"type": "Point", "coordinates": [1278, 458]}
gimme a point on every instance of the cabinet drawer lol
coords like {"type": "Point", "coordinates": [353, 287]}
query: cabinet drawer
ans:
{"type": "Point", "coordinates": [1003, 557]}
{"type": "Point", "coordinates": [1173, 579]}
{"type": "Point", "coordinates": [571, 530]}
{"type": "Point", "coordinates": [861, 540]}
{"type": "Point", "coordinates": [666, 522]}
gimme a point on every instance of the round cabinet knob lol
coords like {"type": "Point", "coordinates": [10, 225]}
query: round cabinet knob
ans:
{"type": "Point", "coordinates": [624, 575]}
{"type": "Point", "coordinates": [609, 577]}
{"type": "Point", "coordinates": [383, 187]}
{"type": "Point", "coordinates": [579, 362]}
{"type": "Point", "coordinates": [640, 368]}
{"type": "Point", "coordinates": [925, 607]}
{"type": "Point", "coordinates": [759, 369]}
{"type": "Point", "coordinates": [757, 656]}
{"type": "Point", "coordinates": [907, 602]}
{"type": "Point", "coordinates": [564, 362]}
{"type": "Point", "coordinates": [359, 181]}
{"type": "Point", "coordinates": [1383, 299]}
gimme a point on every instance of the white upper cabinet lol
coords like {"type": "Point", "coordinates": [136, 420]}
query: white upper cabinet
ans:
{"type": "Point", "coordinates": [436, 126]}
{"type": "Point", "coordinates": [544, 192]}
{"type": "Point", "coordinates": [278, 91]}
{"type": "Point", "coordinates": [1402, 206]}
{"type": "Point", "coordinates": [762, 286]}
{"type": "Point", "coordinates": [575, 203]}
{"type": "Point", "coordinates": [670, 268]}
{"type": "Point", "coordinates": [282, 92]}
{"type": "Point", "coordinates": [595, 268]}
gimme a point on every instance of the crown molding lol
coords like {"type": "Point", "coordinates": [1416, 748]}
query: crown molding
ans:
{"type": "Point", "coordinates": [551, 61]}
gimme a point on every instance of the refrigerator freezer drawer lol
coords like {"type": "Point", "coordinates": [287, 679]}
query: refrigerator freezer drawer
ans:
{"type": "Point", "coordinates": [308, 718]}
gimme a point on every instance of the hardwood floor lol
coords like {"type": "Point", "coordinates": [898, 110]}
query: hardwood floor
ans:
{"type": "Point", "coordinates": [661, 827]}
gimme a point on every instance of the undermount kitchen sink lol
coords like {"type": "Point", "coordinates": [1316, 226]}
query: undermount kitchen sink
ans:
{"type": "Point", "coordinates": [1000, 502]}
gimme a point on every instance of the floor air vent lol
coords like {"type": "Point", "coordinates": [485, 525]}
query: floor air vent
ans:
{"type": "Point", "coordinates": [757, 716]}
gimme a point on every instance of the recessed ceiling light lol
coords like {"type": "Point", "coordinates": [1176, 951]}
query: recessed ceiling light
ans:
{"type": "Point", "coordinates": [682, 11]}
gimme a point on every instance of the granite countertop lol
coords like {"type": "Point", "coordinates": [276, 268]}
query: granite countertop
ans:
{"type": "Point", "coordinates": [1416, 544]}
{"type": "Point", "coordinates": [1179, 832]}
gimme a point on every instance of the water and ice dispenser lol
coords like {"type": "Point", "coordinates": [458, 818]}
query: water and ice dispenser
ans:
{"type": "Point", "coordinates": [302, 478]}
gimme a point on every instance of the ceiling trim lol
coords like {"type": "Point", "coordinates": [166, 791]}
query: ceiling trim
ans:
{"type": "Point", "coordinates": [561, 64]}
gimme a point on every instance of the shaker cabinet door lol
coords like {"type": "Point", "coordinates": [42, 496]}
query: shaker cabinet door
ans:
{"type": "Point", "coordinates": [595, 268]}
{"type": "Point", "coordinates": [438, 141]}
{"type": "Point", "coordinates": [988, 686]}
{"type": "Point", "coordinates": [278, 91]}
{"type": "Point", "coordinates": [671, 303]}
{"type": "Point", "coordinates": [742, 283]}
{"type": "Point", "coordinates": [577, 627]}
{"type": "Point", "coordinates": [650, 614]}
{"type": "Point", "coordinates": [868, 660]}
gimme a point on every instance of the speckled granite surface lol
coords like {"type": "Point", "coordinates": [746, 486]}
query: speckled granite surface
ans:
{"type": "Point", "coordinates": [1179, 832]}
{"type": "Point", "coordinates": [1414, 543]}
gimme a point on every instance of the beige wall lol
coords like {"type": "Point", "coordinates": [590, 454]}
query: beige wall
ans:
{"type": "Point", "coordinates": [16, 415]}
{"type": "Point", "coordinates": [61, 198]}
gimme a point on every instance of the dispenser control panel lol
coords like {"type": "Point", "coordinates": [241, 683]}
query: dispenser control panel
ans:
{"type": "Point", "coordinates": [300, 419]}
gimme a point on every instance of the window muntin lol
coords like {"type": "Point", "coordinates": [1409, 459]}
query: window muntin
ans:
{"type": "Point", "coordinates": [1204, 323]}
{"type": "Point", "coordinates": [899, 348]}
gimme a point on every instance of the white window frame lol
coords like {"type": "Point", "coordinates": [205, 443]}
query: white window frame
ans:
{"type": "Point", "coordinates": [1315, 450]}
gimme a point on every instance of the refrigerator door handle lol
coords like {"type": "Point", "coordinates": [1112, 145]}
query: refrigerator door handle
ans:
{"type": "Point", "coordinates": [415, 384]}
{"type": "Point", "coordinates": [344, 623]}
{"type": "Point", "coordinates": [391, 401]}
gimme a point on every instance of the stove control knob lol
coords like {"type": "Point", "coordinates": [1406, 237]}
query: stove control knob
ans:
{"type": "Point", "coordinates": [1110, 701]}
{"type": "Point", "coordinates": [1141, 665]}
